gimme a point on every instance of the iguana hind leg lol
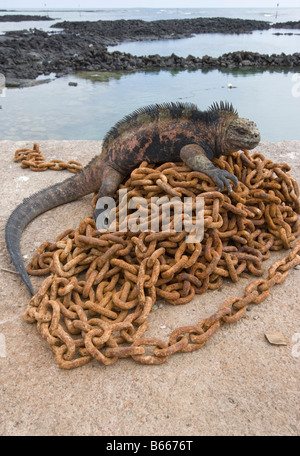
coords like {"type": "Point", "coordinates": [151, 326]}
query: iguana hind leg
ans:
{"type": "Point", "coordinates": [195, 157]}
{"type": "Point", "coordinates": [111, 180]}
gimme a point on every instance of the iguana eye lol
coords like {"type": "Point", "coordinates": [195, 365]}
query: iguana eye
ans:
{"type": "Point", "coordinates": [241, 132]}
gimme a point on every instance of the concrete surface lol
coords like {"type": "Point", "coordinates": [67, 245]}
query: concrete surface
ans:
{"type": "Point", "coordinates": [237, 384]}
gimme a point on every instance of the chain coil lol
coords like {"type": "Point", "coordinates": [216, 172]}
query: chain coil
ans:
{"type": "Point", "coordinates": [101, 288]}
{"type": "Point", "coordinates": [33, 159]}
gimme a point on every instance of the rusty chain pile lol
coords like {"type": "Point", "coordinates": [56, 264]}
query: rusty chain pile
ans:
{"type": "Point", "coordinates": [101, 288]}
{"type": "Point", "coordinates": [33, 159]}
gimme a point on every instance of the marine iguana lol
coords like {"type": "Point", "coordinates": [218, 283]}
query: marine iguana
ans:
{"type": "Point", "coordinates": [156, 134]}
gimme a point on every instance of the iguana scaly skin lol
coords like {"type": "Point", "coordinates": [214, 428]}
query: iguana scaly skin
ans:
{"type": "Point", "coordinates": [156, 134]}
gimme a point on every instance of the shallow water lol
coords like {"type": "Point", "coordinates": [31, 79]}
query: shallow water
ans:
{"type": "Point", "coordinates": [88, 111]}
{"type": "Point", "coordinates": [152, 14]}
{"type": "Point", "coordinates": [59, 111]}
{"type": "Point", "coordinates": [216, 44]}
{"type": "Point", "coordinates": [146, 14]}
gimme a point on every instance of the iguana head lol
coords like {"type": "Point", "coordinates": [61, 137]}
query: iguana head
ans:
{"type": "Point", "coordinates": [241, 134]}
{"type": "Point", "coordinates": [234, 133]}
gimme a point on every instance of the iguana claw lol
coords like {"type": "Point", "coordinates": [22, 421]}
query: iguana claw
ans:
{"type": "Point", "coordinates": [220, 177]}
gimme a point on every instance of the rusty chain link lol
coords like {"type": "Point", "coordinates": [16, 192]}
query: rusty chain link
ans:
{"type": "Point", "coordinates": [101, 288]}
{"type": "Point", "coordinates": [33, 159]}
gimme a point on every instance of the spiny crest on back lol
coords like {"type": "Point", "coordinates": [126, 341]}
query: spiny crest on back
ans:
{"type": "Point", "coordinates": [223, 106]}
{"type": "Point", "coordinates": [156, 112]}
{"type": "Point", "coordinates": [167, 111]}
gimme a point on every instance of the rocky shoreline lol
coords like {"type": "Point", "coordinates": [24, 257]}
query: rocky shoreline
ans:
{"type": "Point", "coordinates": [287, 25]}
{"type": "Point", "coordinates": [23, 17]}
{"type": "Point", "coordinates": [114, 32]}
{"type": "Point", "coordinates": [82, 46]}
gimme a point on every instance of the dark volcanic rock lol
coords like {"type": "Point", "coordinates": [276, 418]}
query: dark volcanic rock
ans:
{"type": "Point", "coordinates": [287, 25]}
{"type": "Point", "coordinates": [82, 47]}
{"type": "Point", "coordinates": [112, 32]}
{"type": "Point", "coordinates": [22, 17]}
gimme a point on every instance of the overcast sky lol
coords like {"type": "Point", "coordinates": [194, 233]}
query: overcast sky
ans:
{"type": "Point", "coordinates": [10, 4]}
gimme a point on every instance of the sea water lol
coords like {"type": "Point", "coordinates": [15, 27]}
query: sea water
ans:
{"type": "Point", "coordinates": [59, 111]}
{"type": "Point", "coordinates": [271, 15]}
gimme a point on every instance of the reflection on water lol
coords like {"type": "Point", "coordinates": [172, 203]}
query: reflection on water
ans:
{"type": "Point", "coordinates": [87, 111]}
{"type": "Point", "coordinates": [216, 44]}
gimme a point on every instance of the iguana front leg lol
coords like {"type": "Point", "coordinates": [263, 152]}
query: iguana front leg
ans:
{"type": "Point", "coordinates": [111, 180]}
{"type": "Point", "coordinates": [195, 157]}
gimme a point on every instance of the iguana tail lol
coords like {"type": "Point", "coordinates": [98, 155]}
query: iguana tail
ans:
{"type": "Point", "coordinates": [88, 180]}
